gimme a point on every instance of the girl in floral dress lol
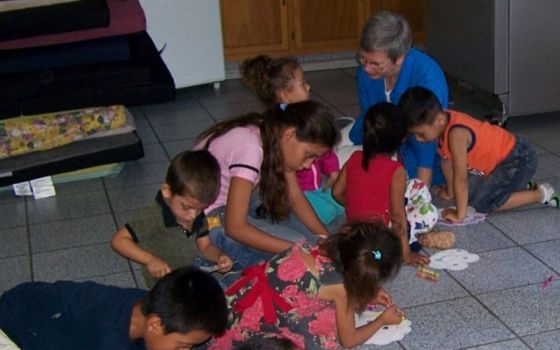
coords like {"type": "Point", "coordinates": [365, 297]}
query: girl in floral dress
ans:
{"type": "Point", "coordinates": [309, 295]}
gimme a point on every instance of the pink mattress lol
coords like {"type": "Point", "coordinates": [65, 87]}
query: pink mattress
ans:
{"type": "Point", "coordinates": [126, 17]}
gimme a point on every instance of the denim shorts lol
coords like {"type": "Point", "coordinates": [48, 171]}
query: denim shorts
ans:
{"type": "Point", "coordinates": [244, 256]}
{"type": "Point", "coordinates": [488, 193]}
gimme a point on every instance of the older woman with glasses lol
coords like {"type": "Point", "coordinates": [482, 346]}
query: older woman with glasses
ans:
{"type": "Point", "coordinates": [388, 67]}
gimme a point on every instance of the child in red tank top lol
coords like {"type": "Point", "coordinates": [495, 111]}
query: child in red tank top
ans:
{"type": "Point", "coordinates": [373, 184]}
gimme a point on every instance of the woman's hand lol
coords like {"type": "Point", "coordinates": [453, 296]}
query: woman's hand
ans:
{"type": "Point", "coordinates": [158, 268]}
{"type": "Point", "coordinates": [224, 263]}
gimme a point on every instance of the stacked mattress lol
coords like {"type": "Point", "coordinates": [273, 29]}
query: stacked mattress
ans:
{"type": "Point", "coordinates": [67, 69]}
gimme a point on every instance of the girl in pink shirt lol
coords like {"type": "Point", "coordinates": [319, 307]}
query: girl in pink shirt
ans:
{"type": "Point", "coordinates": [263, 152]}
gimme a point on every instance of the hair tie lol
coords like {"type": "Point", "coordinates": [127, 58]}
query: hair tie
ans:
{"type": "Point", "coordinates": [283, 106]}
{"type": "Point", "coordinates": [376, 254]}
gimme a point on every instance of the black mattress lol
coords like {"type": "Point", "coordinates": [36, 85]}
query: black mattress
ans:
{"type": "Point", "coordinates": [58, 18]}
{"type": "Point", "coordinates": [142, 79]}
{"type": "Point", "coordinates": [64, 55]}
{"type": "Point", "coordinates": [74, 156]}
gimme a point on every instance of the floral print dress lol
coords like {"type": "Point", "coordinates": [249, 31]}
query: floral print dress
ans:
{"type": "Point", "coordinates": [280, 299]}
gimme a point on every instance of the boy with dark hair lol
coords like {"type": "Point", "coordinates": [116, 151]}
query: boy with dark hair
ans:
{"type": "Point", "coordinates": [484, 165]}
{"type": "Point", "coordinates": [185, 308]}
{"type": "Point", "coordinates": [170, 232]}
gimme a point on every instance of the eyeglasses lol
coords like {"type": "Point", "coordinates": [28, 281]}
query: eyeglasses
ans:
{"type": "Point", "coordinates": [362, 61]}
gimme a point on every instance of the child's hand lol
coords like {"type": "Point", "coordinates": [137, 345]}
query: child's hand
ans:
{"type": "Point", "coordinates": [383, 297]}
{"type": "Point", "coordinates": [392, 315]}
{"type": "Point", "coordinates": [416, 259]}
{"type": "Point", "coordinates": [224, 263]}
{"type": "Point", "coordinates": [450, 214]}
{"type": "Point", "coordinates": [158, 268]}
{"type": "Point", "coordinates": [330, 181]}
{"type": "Point", "coordinates": [442, 192]}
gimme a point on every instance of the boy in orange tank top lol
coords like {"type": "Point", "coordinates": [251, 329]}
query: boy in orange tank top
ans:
{"type": "Point", "coordinates": [484, 165]}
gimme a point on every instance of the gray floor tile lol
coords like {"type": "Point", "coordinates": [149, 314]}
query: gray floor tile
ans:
{"type": "Point", "coordinates": [175, 147]}
{"type": "Point", "coordinates": [549, 142]}
{"type": "Point", "coordinates": [547, 252]}
{"type": "Point", "coordinates": [514, 344]}
{"type": "Point", "coordinates": [14, 271]}
{"type": "Point", "coordinates": [72, 233]}
{"type": "Point", "coordinates": [134, 174]}
{"type": "Point", "coordinates": [501, 269]}
{"type": "Point", "coordinates": [530, 226]}
{"type": "Point", "coordinates": [77, 263]}
{"type": "Point", "coordinates": [531, 124]}
{"type": "Point", "coordinates": [147, 135]}
{"type": "Point", "coordinates": [122, 217]}
{"type": "Point", "coordinates": [515, 307]}
{"type": "Point", "coordinates": [153, 153]}
{"type": "Point", "coordinates": [220, 112]}
{"type": "Point", "coordinates": [477, 238]}
{"type": "Point", "coordinates": [408, 290]}
{"type": "Point", "coordinates": [121, 279]}
{"type": "Point", "coordinates": [453, 325]}
{"type": "Point", "coordinates": [188, 130]}
{"type": "Point", "coordinates": [14, 242]}
{"type": "Point", "coordinates": [351, 110]}
{"type": "Point", "coordinates": [7, 196]}
{"type": "Point", "coordinates": [547, 166]}
{"type": "Point", "coordinates": [74, 187]}
{"type": "Point", "coordinates": [181, 110]}
{"type": "Point", "coordinates": [544, 341]}
{"type": "Point", "coordinates": [230, 91]}
{"type": "Point", "coordinates": [130, 198]}
{"type": "Point", "coordinates": [12, 214]}
{"type": "Point", "coordinates": [67, 206]}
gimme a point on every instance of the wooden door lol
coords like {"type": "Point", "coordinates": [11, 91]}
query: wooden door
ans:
{"type": "Point", "coordinates": [413, 10]}
{"type": "Point", "coordinates": [253, 26]}
{"type": "Point", "coordinates": [326, 24]}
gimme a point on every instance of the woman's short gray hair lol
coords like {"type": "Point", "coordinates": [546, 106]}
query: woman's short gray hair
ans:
{"type": "Point", "coordinates": [388, 32]}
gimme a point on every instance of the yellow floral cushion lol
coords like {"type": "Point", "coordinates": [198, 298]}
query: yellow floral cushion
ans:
{"type": "Point", "coordinates": [28, 134]}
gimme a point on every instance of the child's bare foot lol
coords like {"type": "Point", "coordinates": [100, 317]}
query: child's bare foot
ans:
{"type": "Point", "coordinates": [437, 239]}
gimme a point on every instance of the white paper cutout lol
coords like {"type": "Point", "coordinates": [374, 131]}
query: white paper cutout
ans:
{"type": "Point", "coordinates": [452, 259]}
{"type": "Point", "coordinates": [386, 334]}
{"type": "Point", "coordinates": [472, 217]}
{"type": "Point", "coordinates": [6, 343]}
{"type": "Point", "coordinates": [43, 187]}
{"type": "Point", "coordinates": [22, 189]}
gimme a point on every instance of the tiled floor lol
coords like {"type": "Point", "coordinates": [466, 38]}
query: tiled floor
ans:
{"type": "Point", "coordinates": [497, 303]}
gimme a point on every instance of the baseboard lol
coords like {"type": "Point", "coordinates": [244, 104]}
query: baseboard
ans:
{"type": "Point", "coordinates": [308, 63]}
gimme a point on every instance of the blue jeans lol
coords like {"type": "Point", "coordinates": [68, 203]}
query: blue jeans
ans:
{"type": "Point", "coordinates": [243, 255]}
{"type": "Point", "coordinates": [488, 193]}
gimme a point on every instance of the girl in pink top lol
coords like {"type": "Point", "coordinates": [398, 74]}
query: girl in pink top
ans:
{"type": "Point", "coordinates": [263, 152]}
{"type": "Point", "coordinates": [281, 81]}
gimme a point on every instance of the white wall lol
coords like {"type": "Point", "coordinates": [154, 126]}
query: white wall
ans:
{"type": "Point", "coordinates": [192, 34]}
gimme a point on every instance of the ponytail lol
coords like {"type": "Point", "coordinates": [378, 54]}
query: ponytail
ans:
{"type": "Point", "coordinates": [313, 123]}
{"type": "Point", "coordinates": [384, 130]}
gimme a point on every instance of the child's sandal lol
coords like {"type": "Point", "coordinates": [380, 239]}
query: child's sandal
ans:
{"type": "Point", "coordinates": [437, 239]}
